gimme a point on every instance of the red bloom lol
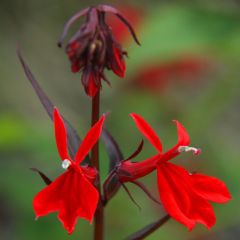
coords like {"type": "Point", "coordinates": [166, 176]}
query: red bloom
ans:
{"type": "Point", "coordinates": [157, 76]}
{"type": "Point", "coordinates": [72, 194]}
{"type": "Point", "coordinates": [185, 196]}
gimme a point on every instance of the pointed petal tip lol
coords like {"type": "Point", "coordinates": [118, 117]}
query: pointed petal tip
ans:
{"type": "Point", "coordinates": [133, 115]}
{"type": "Point", "coordinates": [147, 131]}
{"type": "Point", "coordinates": [55, 110]}
{"type": "Point", "coordinates": [106, 114]}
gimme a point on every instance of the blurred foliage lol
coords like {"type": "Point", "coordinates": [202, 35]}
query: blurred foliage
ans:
{"type": "Point", "coordinates": [208, 107]}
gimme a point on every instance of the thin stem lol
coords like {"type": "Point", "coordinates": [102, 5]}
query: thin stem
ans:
{"type": "Point", "coordinates": [99, 214]}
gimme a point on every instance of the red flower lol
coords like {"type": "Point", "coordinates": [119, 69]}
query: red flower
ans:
{"type": "Point", "coordinates": [72, 194]}
{"type": "Point", "coordinates": [157, 76]}
{"type": "Point", "coordinates": [184, 195]}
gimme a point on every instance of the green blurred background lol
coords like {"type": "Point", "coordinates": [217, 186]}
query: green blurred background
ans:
{"type": "Point", "coordinates": [195, 47]}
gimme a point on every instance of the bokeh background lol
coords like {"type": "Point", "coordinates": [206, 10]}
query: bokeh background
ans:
{"type": "Point", "coordinates": [187, 69]}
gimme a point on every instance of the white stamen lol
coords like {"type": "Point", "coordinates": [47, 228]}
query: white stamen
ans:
{"type": "Point", "coordinates": [196, 151]}
{"type": "Point", "coordinates": [65, 164]}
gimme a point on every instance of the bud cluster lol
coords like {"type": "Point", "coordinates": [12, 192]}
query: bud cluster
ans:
{"type": "Point", "coordinates": [93, 48]}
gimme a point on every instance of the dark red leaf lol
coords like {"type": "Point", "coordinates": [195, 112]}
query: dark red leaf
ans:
{"type": "Point", "coordinates": [73, 138]}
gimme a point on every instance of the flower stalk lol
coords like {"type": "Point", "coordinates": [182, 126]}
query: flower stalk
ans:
{"type": "Point", "coordinates": [99, 214]}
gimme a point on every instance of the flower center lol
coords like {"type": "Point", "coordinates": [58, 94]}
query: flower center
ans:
{"type": "Point", "coordinates": [196, 151]}
{"type": "Point", "coordinates": [66, 163]}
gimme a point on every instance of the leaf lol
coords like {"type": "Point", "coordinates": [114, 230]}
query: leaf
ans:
{"type": "Point", "coordinates": [114, 153]}
{"type": "Point", "coordinates": [42, 175]}
{"type": "Point", "coordinates": [147, 230]}
{"type": "Point", "coordinates": [73, 138]}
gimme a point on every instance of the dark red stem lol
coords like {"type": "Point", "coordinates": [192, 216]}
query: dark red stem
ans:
{"type": "Point", "coordinates": [99, 214]}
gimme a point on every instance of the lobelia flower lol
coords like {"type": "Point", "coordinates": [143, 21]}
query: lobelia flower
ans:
{"type": "Point", "coordinates": [185, 196]}
{"type": "Point", "coordinates": [94, 48]}
{"type": "Point", "coordinates": [72, 194]}
{"type": "Point", "coordinates": [157, 76]}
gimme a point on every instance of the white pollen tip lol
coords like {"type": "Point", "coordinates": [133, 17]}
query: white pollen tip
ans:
{"type": "Point", "coordinates": [66, 163]}
{"type": "Point", "coordinates": [196, 151]}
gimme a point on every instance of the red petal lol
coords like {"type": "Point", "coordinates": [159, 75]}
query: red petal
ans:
{"type": "Point", "coordinates": [60, 135]}
{"type": "Point", "coordinates": [183, 140]}
{"type": "Point", "coordinates": [137, 169]}
{"type": "Point", "coordinates": [75, 67]}
{"type": "Point", "coordinates": [174, 201]}
{"type": "Point", "coordinates": [183, 137]}
{"type": "Point", "coordinates": [211, 188]}
{"type": "Point", "coordinates": [147, 131]}
{"type": "Point", "coordinates": [118, 64]}
{"type": "Point", "coordinates": [179, 198]}
{"type": "Point", "coordinates": [89, 82]}
{"type": "Point", "coordinates": [90, 140]}
{"type": "Point", "coordinates": [92, 88]}
{"type": "Point", "coordinates": [72, 195]}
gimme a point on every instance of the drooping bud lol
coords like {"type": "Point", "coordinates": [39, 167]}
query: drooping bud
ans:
{"type": "Point", "coordinates": [94, 45]}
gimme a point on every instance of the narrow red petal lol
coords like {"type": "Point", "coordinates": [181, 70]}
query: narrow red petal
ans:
{"type": "Point", "coordinates": [147, 131]}
{"type": "Point", "coordinates": [92, 88]}
{"type": "Point", "coordinates": [60, 135]}
{"type": "Point", "coordinates": [118, 63]}
{"type": "Point", "coordinates": [211, 188]}
{"type": "Point", "coordinates": [183, 140]}
{"type": "Point", "coordinates": [90, 140]}
{"type": "Point", "coordinates": [183, 137]}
